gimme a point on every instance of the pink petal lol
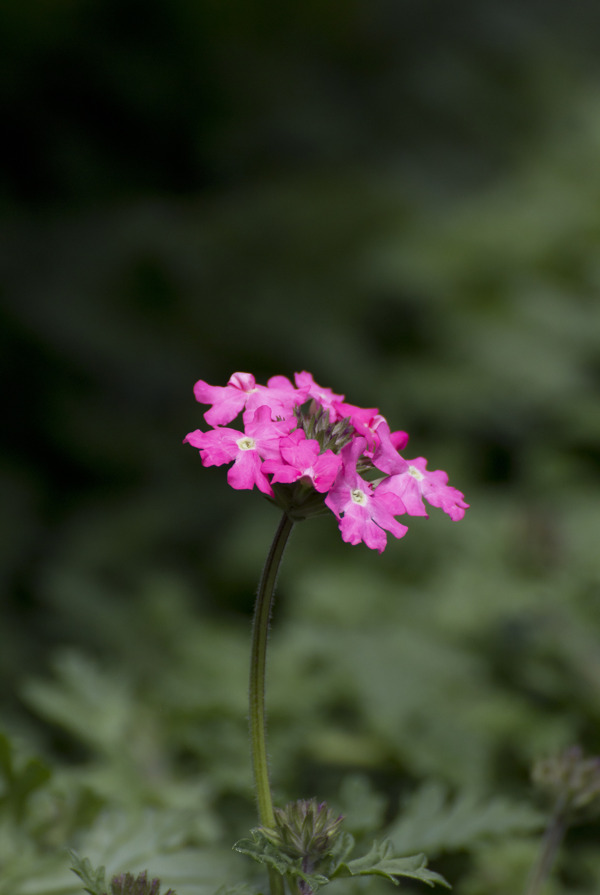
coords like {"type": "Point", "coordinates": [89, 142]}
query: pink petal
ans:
{"type": "Point", "coordinates": [325, 396]}
{"type": "Point", "coordinates": [246, 473]}
{"type": "Point", "coordinates": [217, 446]}
{"type": "Point", "coordinates": [325, 470]}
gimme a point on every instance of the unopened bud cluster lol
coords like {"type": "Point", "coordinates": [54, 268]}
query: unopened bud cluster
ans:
{"type": "Point", "coordinates": [573, 779]}
{"type": "Point", "coordinates": [128, 884]}
{"type": "Point", "coordinates": [315, 421]}
{"type": "Point", "coordinates": [306, 829]}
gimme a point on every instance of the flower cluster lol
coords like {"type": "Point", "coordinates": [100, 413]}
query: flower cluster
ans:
{"type": "Point", "coordinates": [307, 449]}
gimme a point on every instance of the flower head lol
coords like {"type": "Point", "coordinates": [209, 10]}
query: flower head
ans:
{"type": "Point", "coordinates": [309, 451]}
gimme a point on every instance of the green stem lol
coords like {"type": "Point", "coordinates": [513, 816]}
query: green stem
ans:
{"type": "Point", "coordinates": [258, 662]}
{"type": "Point", "coordinates": [551, 841]}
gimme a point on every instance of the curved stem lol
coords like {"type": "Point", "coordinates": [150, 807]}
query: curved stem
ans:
{"type": "Point", "coordinates": [258, 661]}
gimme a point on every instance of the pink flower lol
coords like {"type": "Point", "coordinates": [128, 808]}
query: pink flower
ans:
{"type": "Point", "coordinates": [416, 482]}
{"type": "Point", "coordinates": [301, 459]}
{"type": "Point", "coordinates": [324, 396]}
{"type": "Point", "coordinates": [386, 456]}
{"type": "Point", "coordinates": [365, 513]}
{"type": "Point", "coordinates": [382, 445]}
{"type": "Point", "coordinates": [279, 395]}
{"type": "Point", "coordinates": [308, 434]}
{"type": "Point", "coordinates": [362, 418]}
{"type": "Point", "coordinates": [227, 400]}
{"type": "Point", "coordinates": [242, 392]}
{"type": "Point", "coordinates": [248, 449]}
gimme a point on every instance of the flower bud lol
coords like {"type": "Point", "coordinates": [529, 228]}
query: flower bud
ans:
{"type": "Point", "coordinates": [128, 884]}
{"type": "Point", "coordinates": [573, 779]}
{"type": "Point", "coordinates": [305, 829]}
{"type": "Point", "coordinates": [314, 419]}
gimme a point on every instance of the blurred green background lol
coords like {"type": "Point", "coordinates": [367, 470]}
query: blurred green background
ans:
{"type": "Point", "coordinates": [404, 199]}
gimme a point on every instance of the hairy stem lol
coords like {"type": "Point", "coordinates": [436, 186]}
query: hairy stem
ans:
{"type": "Point", "coordinates": [550, 844]}
{"type": "Point", "coordinates": [258, 662]}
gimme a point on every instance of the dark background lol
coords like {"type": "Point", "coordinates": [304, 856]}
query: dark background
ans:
{"type": "Point", "coordinates": [401, 197]}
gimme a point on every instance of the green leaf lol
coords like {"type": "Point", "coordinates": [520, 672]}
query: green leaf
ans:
{"type": "Point", "coordinates": [93, 879]}
{"type": "Point", "coordinates": [238, 889]}
{"type": "Point", "coordinates": [363, 808]}
{"type": "Point", "coordinates": [380, 861]}
{"type": "Point", "coordinates": [94, 705]}
{"type": "Point", "coordinates": [262, 852]}
{"type": "Point", "coordinates": [259, 849]}
{"type": "Point", "coordinates": [432, 823]}
{"type": "Point", "coordinates": [342, 848]}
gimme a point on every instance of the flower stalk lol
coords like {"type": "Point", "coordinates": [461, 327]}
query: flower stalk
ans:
{"type": "Point", "coordinates": [573, 781]}
{"type": "Point", "coordinates": [258, 663]}
{"type": "Point", "coordinates": [309, 452]}
{"type": "Point", "coordinates": [551, 843]}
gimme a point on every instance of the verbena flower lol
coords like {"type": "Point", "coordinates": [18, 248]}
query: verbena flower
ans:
{"type": "Point", "coordinates": [242, 392]}
{"type": "Point", "coordinates": [365, 513]}
{"type": "Point", "coordinates": [301, 457]}
{"type": "Point", "coordinates": [319, 452]}
{"type": "Point", "coordinates": [415, 483]}
{"type": "Point", "coordinates": [259, 441]}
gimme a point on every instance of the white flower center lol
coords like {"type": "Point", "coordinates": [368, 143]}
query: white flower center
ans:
{"type": "Point", "coordinates": [359, 496]}
{"type": "Point", "coordinates": [246, 443]}
{"type": "Point", "coordinates": [415, 473]}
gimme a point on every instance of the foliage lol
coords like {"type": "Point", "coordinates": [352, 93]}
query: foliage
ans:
{"type": "Point", "coordinates": [429, 821]}
{"type": "Point", "coordinates": [93, 878]}
{"type": "Point", "coordinates": [379, 861]}
{"type": "Point", "coordinates": [405, 201]}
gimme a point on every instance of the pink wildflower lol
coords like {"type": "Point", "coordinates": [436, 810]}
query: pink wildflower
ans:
{"type": "Point", "coordinates": [324, 447]}
{"type": "Point", "coordinates": [248, 449]}
{"type": "Point", "coordinates": [364, 512]}
{"type": "Point", "coordinates": [362, 418]}
{"type": "Point", "coordinates": [416, 482]}
{"type": "Point", "coordinates": [382, 445]}
{"type": "Point", "coordinates": [324, 396]}
{"type": "Point", "coordinates": [242, 392]}
{"type": "Point", "coordinates": [227, 400]}
{"type": "Point", "coordinates": [279, 395]}
{"type": "Point", "coordinates": [386, 456]}
{"type": "Point", "coordinates": [301, 459]}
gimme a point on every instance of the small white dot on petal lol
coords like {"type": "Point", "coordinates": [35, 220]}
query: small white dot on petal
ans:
{"type": "Point", "coordinates": [359, 496]}
{"type": "Point", "coordinates": [246, 443]}
{"type": "Point", "coordinates": [417, 474]}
